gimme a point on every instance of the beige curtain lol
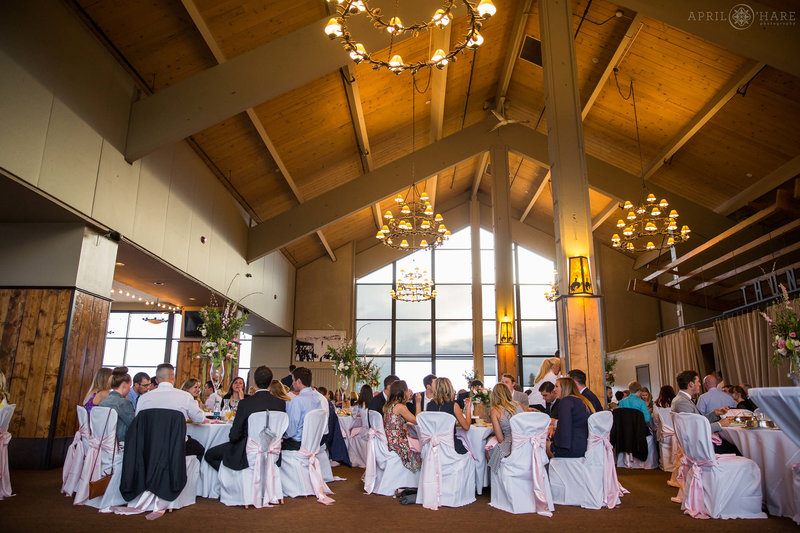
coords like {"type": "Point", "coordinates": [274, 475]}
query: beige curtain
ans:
{"type": "Point", "coordinates": [677, 352]}
{"type": "Point", "coordinates": [745, 350]}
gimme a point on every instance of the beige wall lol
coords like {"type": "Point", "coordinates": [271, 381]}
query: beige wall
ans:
{"type": "Point", "coordinates": [627, 361]}
{"type": "Point", "coordinates": [325, 293]}
{"type": "Point", "coordinates": [64, 105]}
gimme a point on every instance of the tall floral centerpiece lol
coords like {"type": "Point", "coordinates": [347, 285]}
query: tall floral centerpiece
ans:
{"type": "Point", "coordinates": [352, 369]}
{"type": "Point", "coordinates": [785, 329]}
{"type": "Point", "coordinates": [220, 344]}
{"type": "Point", "coordinates": [611, 363]}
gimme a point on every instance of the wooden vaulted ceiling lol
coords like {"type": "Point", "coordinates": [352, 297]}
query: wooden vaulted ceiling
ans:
{"type": "Point", "coordinates": [711, 122]}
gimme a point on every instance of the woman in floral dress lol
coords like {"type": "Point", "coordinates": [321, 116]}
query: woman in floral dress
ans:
{"type": "Point", "coordinates": [395, 417]}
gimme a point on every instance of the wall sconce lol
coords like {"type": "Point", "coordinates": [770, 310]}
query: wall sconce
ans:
{"type": "Point", "coordinates": [506, 333]}
{"type": "Point", "coordinates": [580, 281]}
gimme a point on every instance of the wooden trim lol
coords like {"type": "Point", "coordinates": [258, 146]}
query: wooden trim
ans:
{"type": "Point", "coordinates": [483, 164]}
{"type": "Point", "coordinates": [752, 264]}
{"type": "Point", "coordinates": [607, 211]}
{"type": "Point", "coordinates": [671, 294]}
{"type": "Point", "coordinates": [536, 194]}
{"type": "Point", "coordinates": [760, 278]}
{"type": "Point", "coordinates": [517, 34]}
{"type": "Point", "coordinates": [774, 179]}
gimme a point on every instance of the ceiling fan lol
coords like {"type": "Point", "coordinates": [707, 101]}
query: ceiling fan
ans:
{"type": "Point", "coordinates": [503, 121]}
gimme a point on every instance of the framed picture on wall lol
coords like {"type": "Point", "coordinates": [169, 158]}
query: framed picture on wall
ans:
{"type": "Point", "coordinates": [311, 346]}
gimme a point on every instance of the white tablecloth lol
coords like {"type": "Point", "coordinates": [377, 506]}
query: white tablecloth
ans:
{"type": "Point", "coordinates": [209, 435]}
{"type": "Point", "coordinates": [774, 453]}
{"type": "Point", "coordinates": [476, 437]}
{"type": "Point", "coordinates": [782, 404]}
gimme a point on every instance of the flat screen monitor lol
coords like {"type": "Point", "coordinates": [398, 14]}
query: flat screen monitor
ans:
{"type": "Point", "coordinates": [192, 320]}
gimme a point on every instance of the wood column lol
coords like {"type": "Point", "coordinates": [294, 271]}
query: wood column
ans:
{"type": "Point", "coordinates": [580, 332]}
{"type": "Point", "coordinates": [477, 290]}
{"type": "Point", "coordinates": [503, 258]}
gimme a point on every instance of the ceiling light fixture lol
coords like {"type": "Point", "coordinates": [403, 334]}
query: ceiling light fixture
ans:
{"type": "Point", "coordinates": [413, 286]}
{"type": "Point", "coordinates": [337, 28]}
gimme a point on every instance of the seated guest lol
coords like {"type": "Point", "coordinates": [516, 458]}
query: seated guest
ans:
{"type": "Point", "coordinates": [518, 396]}
{"type": "Point", "coordinates": [141, 384]}
{"type": "Point", "coordinates": [153, 383]}
{"type": "Point", "coordinates": [550, 394]}
{"type": "Point", "coordinates": [166, 396]}
{"type": "Point", "coordinates": [463, 395]}
{"type": "Point", "coordinates": [288, 379]}
{"type": "Point", "coordinates": [740, 397]}
{"type": "Point", "coordinates": [211, 396]}
{"type": "Point", "coordinates": [277, 389]}
{"type": "Point", "coordinates": [689, 385]}
{"type": "Point", "coordinates": [714, 397]}
{"type": "Point", "coordinates": [619, 395]}
{"type": "Point", "coordinates": [427, 382]}
{"type": "Point", "coordinates": [395, 417]}
{"type": "Point", "coordinates": [236, 393]}
{"type": "Point", "coordinates": [100, 389]}
{"type": "Point", "coordinates": [380, 399]}
{"type": "Point", "coordinates": [665, 396]}
{"type": "Point", "coordinates": [192, 386]}
{"type": "Point", "coordinates": [572, 431]}
{"type": "Point", "coordinates": [444, 401]}
{"type": "Point", "coordinates": [116, 400]}
{"type": "Point", "coordinates": [579, 377]}
{"type": "Point", "coordinates": [548, 371]}
{"type": "Point", "coordinates": [647, 398]}
{"type": "Point", "coordinates": [609, 395]}
{"type": "Point", "coordinates": [503, 408]}
{"type": "Point", "coordinates": [634, 402]}
{"type": "Point", "coordinates": [3, 391]}
{"type": "Point", "coordinates": [233, 453]}
{"type": "Point", "coordinates": [306, 399]}
{"type": "Point", "coordinates": [360, 407]}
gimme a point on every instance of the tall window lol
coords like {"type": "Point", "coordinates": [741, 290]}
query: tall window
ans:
{"type": "Point", "coordinates": [415, 339]}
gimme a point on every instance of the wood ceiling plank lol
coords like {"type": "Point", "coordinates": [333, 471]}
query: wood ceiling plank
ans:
{"type": "Point", "coordinates": [786, 250]}
{"type": "Point", "coordinates": [771, 181]}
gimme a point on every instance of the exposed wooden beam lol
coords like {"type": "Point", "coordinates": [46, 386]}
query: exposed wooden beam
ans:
{"type": "Point", "coordinates": [737, 252]}
{"type": "Point", "coordinates": [604, 214]}
{"type": "Point", "coordinates": [762, 277]}
{"type": "Point", "coordinates": [440, 40]}
{"type": "Point", "coordinates": [536, 194]}
{"type": "Point", "coordinates": [774, 179]}
{"type": "Point", "coordinates": [774, 45]}
{"type": "Point", "coordinates": [670, 294]}
{"type": "Point", "coordinates": [744, 75]}
{"type": "Point", "coordinates": [512, 52]}
{"type": "Point", "coordinates": [212, 44]}
{"type": "Point", "coordinates": [483, 163]}
{"type": "Point", "coordinates": [730, 232]}
{"type": "Point", "coordinates": [619, 52]}
{"type": "Point", "coordinates": [752, 264]}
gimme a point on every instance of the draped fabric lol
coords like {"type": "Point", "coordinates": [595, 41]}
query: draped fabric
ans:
{"type": "Point", "coordinates": [542, 503]}
{"type": "Point", "coordinates": [745, 350]}
{"type": "Point", "coordinates": [431, 475]}
{"type": "Point", "coordinates": [5, 477]}
{"type": "Point", "coordinates": [677, 352]}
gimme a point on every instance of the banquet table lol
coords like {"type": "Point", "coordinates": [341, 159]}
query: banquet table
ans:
{"type": "Point", "coordinates": [774, 453]}
{"type": "Point", "coordinates": [476, 443]}
{"type": "Point", "coordinates": [209, 435]}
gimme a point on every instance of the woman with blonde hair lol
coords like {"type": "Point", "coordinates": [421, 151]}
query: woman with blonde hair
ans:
{"type": "Point", "coordinates": [572, 430]}
{"type": "Point", "coordinates": [192, 386]}
{"type": "Point", "coordinates": [277, 389]}
{"type": "Point", "coordinates": [101, 387]}
{"type": "Point", "coordinates": [3, 391]}
{"type": "Point", "coordinates": [444, 401]}
{"type": "Point", "coordinates": [503, 408]}
{"type": "Point", "coordinates": [549, 371]}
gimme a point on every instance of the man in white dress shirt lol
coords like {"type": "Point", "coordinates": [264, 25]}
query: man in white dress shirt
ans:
{"type": "Point", "coordinates": [714, 398]}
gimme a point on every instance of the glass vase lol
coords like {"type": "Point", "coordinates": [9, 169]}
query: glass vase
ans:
{"type": "Point", "coordinates": [217, 374]}
{"type": "Point", "coordinates": [794, 371]}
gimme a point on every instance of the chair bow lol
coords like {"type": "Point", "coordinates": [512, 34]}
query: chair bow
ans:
{"type": "Point", "coordinates": [433, 476]}
{"type": "Point", "coordinates": [73, 462]}
{"type": "Point", "coordinates": [693, 499]}
{"type": "Point", "coordinates": [371, 470]}
{"type": "Point", "coordinates": [315, 472]}
{"type": "Point", "coordinates": [612, 489]}
{"type": "Point", "coordinates": [538, 460]}
{"type": "Point", "coordinates": [89, 472]}
{"type": "Point", "coordinates": [264, 487]}
{"type": "Point", "coordinates": [5, 477]}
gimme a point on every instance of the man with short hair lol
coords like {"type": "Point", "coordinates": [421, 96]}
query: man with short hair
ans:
{"type": "Point", "coordinates": [233, 453]}
{"type": "Point", "coordinates": [287, 379]}
{"type": "Point", "coordinates": [550, 393]}
{"type": "Point", "coordinates": [579, 377]}
{"type": "Point", "coordinates": [634, 402]}
{"type": "Point", "coordinates": [714, 397]}
{"type": "Point", "coordinates": [141, 384]}
{"type": "Point", "coordinates": [211, 395]}
{"type": "Point", "coordinates": [306, 399]}
{"type": "Point", "coordinates": [510, 381]}
{"type": "Point", "coordinates": [689, 385]}
{"type": "Point", "coordinates": [379, 400]}
{"type": "Point", "coordinates": [427, 382]}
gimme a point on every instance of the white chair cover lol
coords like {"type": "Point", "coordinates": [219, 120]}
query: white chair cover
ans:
{"type": "Point", "coordinates": [260, 483]}
{"type": "Point", "coordinates": [666, 437]}
{"type": "Point", "coordinates": [147, 501]}
{"type": "Point", "coordinates": [627, 460]}
{"type": "Point", "coordinates": [97, 462]}
{"type": "Point", "coordinates": [521, 483]}
{"type": "Point", "coordinates": [301, 474]}
{"type": "Point", "coordinates": [447, 478]}
{"type": "Point", "coordinates": [357, 439]}
{"type": "Point", "coordinates": [112, 495]}
{"type": "Point", "coordinates": [73, 463]}
{"type": "Point", "coordinates": [723, 486]}
{"type": "Point", "coordinates": [5, 437]}
{"type": "Point", "coordinates": [589, 481]}
{"type": "Point", "coordinates": [384, 472]}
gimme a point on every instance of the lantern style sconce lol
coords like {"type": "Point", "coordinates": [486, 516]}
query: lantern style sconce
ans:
{"type": "Point", "coordinates": [580, 282]}
{"type": "Point", "coordinates": [506, 333]}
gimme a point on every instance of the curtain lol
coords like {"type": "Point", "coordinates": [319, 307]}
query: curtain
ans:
{"type": "Point", "coordinates": [677, 352]}
{"type": "Point", "coordinates": [746, 350]}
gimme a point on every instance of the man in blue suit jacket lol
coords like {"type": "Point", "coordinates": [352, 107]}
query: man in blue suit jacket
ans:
{"type": "Point", "coordinates": [579, 377]}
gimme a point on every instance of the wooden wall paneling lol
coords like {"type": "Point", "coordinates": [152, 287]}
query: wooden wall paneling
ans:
{"type": "Point", "coordinates": [12, 304]}
{"type": "Point", "coordinates": [72, 388]}
{"type": "Point", "coordinates": [20, 426]}
{"type": "Point", "coordinates": [37, 397]}
{"type": "Point", "coordinates": [55, 349]}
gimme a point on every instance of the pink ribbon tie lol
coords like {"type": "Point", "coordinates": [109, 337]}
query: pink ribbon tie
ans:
{"type": "Point", "coordinates": [432, 467]}
{"type": "Point", "coordinates": [693, 498]}
{"type": "Point", "coordinates": [88, 473]}
{"type": "Point", "coordinates": [315, 472]}
{"type": "Point", "coordinates": [537, 443]}
{"type": "Point", "coordinates": [371, 470]}
{"type": "Point", "coordinates": [612, 489]}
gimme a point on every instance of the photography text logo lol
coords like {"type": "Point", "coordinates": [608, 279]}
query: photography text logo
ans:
{"type": "Point", "coordinates": [742, 16]}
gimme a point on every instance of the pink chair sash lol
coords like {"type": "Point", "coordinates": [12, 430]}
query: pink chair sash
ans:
{"type": "Point", "coordinates": [5, 477]}
{"type": "Point", "coordinates": [315, 472]}
{"type": "Point", "coordinates": [73, 463]}
{"type": "Point", "coordinates": [371, 470]}
{"type": "Point", "coordinates": [693, 500]}
{"type": "Point", "coordinates": [432, 467]}
{"type": "Point", "coordinates": [93, 459]}
{"type": "Point", "coordinates": [268, 484]}
{"type": "Point", "coordinates": [612, 489]}
{"type": "Point", "coordinates": [537, 467]}
{"type": "Point", "coordinates": [355, 429]}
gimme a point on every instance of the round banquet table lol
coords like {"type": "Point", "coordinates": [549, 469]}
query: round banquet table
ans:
{"type": "Point", "coordinates": [476, 444]}
{"type": "Point", "coordinates": [774, 453]}
{"type": "Point", "coordinates": [209, 435]}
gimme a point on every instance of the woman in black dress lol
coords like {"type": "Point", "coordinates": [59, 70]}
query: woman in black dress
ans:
{"type": "Point", "coordinates": [572, 430]}
{"type": "Point", "coordinates": [444, 400]}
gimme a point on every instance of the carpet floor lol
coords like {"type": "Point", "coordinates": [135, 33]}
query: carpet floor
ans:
{"type": "Point", "coordinates": [39, 507]}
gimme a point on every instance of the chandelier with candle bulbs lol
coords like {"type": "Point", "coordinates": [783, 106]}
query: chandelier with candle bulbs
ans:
{"type": "Point", "coordinates": [415, 227]}
{"type": "Point", "coordinates": [413, 286]}
{"type": "Point", "coordinates": [337, 29]}
{"type": "Point", "coordinates": [648, 226]}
